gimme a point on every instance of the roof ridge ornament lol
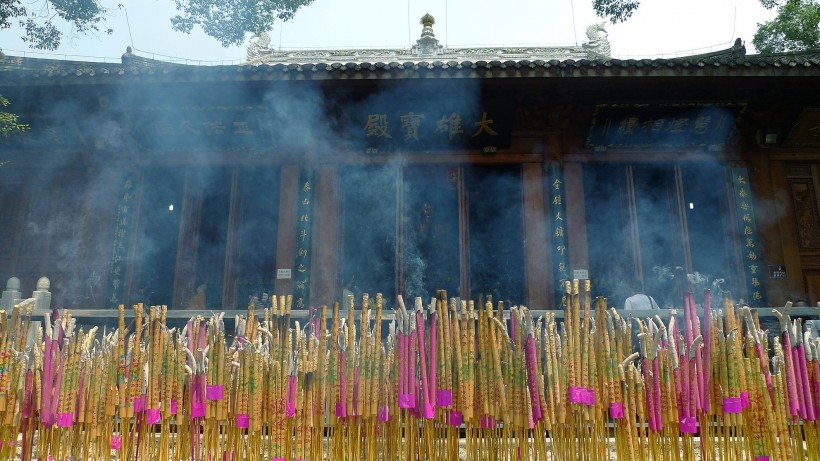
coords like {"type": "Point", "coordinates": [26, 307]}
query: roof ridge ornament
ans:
{"type": "Point", "coordinates": [427, 45]}
{"type": "Point", "coordinates": [427, 21]}
{"type": "Point", "coordinates": [259, 46]}
{"type": "Point", "coordinates": [598, 43]}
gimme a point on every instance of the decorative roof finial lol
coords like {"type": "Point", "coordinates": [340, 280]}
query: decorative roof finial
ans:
{"type": "Point", "coordinates": [427, 45]}
{"type": "Point", "coordinates": [427, 20]}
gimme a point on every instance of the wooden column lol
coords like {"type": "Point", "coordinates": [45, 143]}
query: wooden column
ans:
{"type": "Point", "coordinates": [463, 236]}
{"type": "Point", "coordinates": [231, 243]}
{"type": "Point", "coordinates": [324, 270]}
{"type": "Point", "coordinates": [15, 202]}
{"type": "Point", "coordinates": [188, 247]}
{"type": "Point", "coordinates": [576, 216]}
{"type": "Point", "coordinates": [537, 282]}
{"type": "Point", "coordinates": [286, 241]}
{"type": "Point", "coordinates": [683, 224]}
{"type": "Point", "coordinates": [134, 240]}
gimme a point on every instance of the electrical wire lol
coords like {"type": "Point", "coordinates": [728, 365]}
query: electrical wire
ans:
{"type": "Point", "coordinates": [128, 23]}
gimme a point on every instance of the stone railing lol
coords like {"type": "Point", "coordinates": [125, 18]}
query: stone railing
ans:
{"type": "Point", "coordinates": [12, 295]}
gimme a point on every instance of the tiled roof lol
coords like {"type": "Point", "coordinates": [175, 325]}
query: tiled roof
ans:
{"type": "Point", "coordinates": [17, 70]}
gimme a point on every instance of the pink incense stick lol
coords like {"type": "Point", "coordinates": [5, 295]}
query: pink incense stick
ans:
{"type": "Point", "coordinates": [203, 340]}
{"type": "Point", "coordinates": [401, 367]}
{"type": "Point", "coordinates": [196, 425]}
{"type": "Point", "coordinates": [690, 305]}
{"type": "Point", "coordinates": [425, 388]}
{"type": "Point", "coordinates": [290, 405]}
{"type": "Point", "coordinates": [694, 397]}
{"type": "Point", "coordinates": [433, 358]}
{"type": "Point", "coordinates": [707, 350]}
{"type": "Point", "coordinates": [407, 365]}
{"type": "Point", "coordinates": [687, 341]}
{"type": "Point", "coordinates": [657, 381]}
{"type": "Point", "coordinates": [48, 380]}
{"type": "Point", "coordinates": [405, 399]}
{"type": "Point", "coordinates": [791, 386]}
{"type": "Point", "coordinates": [59, 327]}
{"type": "Point", "coordinates": [816, 367]}
{"type": "Point", "coordinates": [411, 368]}
{"type": "Point", "coordinates": [676, 373]}
{"type": "Point", "coordinates": [649, 390]}
{"type": "Point", "coordinates": [804, 381]}
{"type": "Point", "coordinates": [684, 391]}
{"type": "Point", "coordinates": [763, 361]}
{"type": "Point", "coordinates": [801, 410]}
{"type": "Point", "coordinates": [678, 392]}
{"type": "Point", "coordinates": [57, 386]}
{"type": "Point", "coordinates": [532, 378]}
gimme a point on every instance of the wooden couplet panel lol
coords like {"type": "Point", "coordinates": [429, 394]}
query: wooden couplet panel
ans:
{"type": "Point", "coordinates": [324, 270]}
{"type": "Point", "coordinates": [536, 261]}
{"type": "Point", "coordinates": [286, 243]}
{"type": "Point", "coordinates": [576, 215]}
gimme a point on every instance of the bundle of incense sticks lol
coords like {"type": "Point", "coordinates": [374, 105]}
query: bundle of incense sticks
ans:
{"type": "Point", "coordinates": [448, 379]}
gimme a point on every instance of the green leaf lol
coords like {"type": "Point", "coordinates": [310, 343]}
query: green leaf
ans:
{"type": "Point", "coordinates": [230, 21]}
{"type": "Point", "coordinates": [8, 122]}
{"type": "Point", "coordinates": [615, 11]}
{"type": "Point", "coordinates": [795, 28]}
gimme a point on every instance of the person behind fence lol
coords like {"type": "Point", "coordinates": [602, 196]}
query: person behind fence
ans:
{"type": "Point", "coordinates": [639, 300]}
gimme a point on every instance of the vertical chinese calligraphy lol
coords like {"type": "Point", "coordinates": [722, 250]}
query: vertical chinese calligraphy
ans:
{"type": "Point", "coordinates": [752, 256]}
{"type": "Point", "coordinates": [560, 252]}
{"type": "Point", "coordinates": [304, 219]}
{"type": "Point", "coordinates": [119, 252]}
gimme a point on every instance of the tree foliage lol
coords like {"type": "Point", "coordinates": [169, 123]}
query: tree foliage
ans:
{"type": "Point", "coordinates": [39, 19]}
{"type": "Point", "coordinates": [8, 121]}
{"type": "Point", "coordinates": [228, 21]}
{"type": "Point", "coordinates": [796, 27]}
{"type": "Point", "coordinates": [615, 10]}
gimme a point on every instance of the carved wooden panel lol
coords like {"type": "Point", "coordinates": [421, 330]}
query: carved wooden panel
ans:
{"type": "Point", "coordinates": [813, 287]}
{"type": "Point", "coordinates": [798, 170]}
{"type": "Point", "coordinates": [805, 211]}
{"type": "Point", "coordinates": [811, 261]}
{"type": "Point", "coordinates": [806, 131]}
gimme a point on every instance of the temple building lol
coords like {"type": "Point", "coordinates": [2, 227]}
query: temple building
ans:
{"type": "Point", "coordinates": [485, 171]}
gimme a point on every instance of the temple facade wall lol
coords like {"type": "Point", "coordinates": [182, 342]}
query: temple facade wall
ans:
{"type": "Point", "coordinates": [200, 193]}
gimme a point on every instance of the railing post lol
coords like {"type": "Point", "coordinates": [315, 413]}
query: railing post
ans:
{"type": "Point", "coordinates": [41, 295]}
{"type": "Point", "coordinates": [11, 295]}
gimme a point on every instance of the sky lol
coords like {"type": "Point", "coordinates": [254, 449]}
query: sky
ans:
{"type": "Point", "coordinates": [659, 28]}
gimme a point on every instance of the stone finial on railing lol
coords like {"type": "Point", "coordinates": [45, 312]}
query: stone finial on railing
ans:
{"type": "Point", "coordinates": [11, 295]}
{"type": "Point", "coordinates": [41, 295]}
